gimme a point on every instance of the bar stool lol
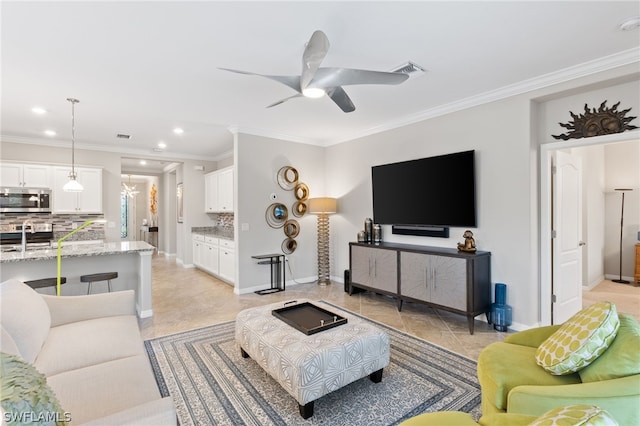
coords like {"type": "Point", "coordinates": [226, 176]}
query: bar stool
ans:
{"type": "Point", "coordinates": [45, 282]}
{"type": "Point", "coordinates": [103, 276]}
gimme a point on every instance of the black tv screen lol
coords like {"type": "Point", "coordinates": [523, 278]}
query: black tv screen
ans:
{"type": "Point", "coordinates": [433, 191]}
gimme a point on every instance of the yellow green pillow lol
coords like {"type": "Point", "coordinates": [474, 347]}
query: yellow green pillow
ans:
{"type": "Point", "coordinates": [622, 359]}
{"type": "Point", "coordinates": [580, 340]}
{"type": "Point", "coordinates": [575, 415]}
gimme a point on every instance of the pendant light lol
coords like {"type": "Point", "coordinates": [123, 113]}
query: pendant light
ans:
{"type": "Point", "coordinates": [129, 190]}
{"type": "Point", "coordinates": [73, 185]}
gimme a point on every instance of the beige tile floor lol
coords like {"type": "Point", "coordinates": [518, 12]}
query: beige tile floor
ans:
{"type": "Point", "coordinates": [185, 299]}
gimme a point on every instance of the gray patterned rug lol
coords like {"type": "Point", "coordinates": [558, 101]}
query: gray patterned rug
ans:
{"type": "Point", "coordinates": [211, 384]}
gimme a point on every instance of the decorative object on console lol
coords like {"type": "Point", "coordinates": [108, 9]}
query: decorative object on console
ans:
{"type": "Point", "coordinates": [622, 190]}
{"type": "Point", "coordinates": [323, 207]}
{"type": "Point", "coordinates": [368, 230]}
{"type": "Point", "coordinates": [469, 244]}
{"type": "Point", "coordinates": [61, 240]}
{"type": "Point", "coordinates": [377, 234]}
{"type": "Point", "coordinates": [603, 121]}
{"type": "Point", "coordinates": [501, 313]}
{"type": "Point", "coordinates": [73, 185]}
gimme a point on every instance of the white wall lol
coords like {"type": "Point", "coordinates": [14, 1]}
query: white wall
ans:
{"type": "Point", "coordinates": [258, 160]}
{"type": "Point", "coordinates": [623, 171]}
{"type": "Point", "coordinates": [500, 134]}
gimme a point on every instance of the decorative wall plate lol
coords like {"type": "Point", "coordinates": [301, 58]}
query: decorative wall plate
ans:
{"type": "Point", "coordinates": [287, 178]}
{"type": "Point", "coordinates": [276, 215]}
{"type": "Point", "coordinates": [301, 191]}
{"type": "Point", "coordinates": [289, 246]}
{"type": "Point", "coordinates": [299, 208]}
{"type": "Point", "coordinates": [291, 228]}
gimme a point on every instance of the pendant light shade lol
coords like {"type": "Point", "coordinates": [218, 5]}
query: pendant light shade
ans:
{"type": "Point", "coordinates": [73, 185]}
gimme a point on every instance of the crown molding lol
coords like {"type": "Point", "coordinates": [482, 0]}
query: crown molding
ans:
{"type": "Point", "coordinates": [166, 155]}
{"type": "Point", "coordinates": [606, 63]}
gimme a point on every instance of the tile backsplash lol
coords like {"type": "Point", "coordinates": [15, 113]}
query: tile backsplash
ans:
{"type": "Point", "coordinates": [62, 224]}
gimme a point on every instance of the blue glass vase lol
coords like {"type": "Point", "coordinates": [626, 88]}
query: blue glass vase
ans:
{"type": "Point", "coordinates": [501, 313]}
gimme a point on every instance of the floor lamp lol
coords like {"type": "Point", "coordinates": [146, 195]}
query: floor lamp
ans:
{"type": "Point", "coordinates": [623, 190]}
{"type": "Point", "coordinates": [323, 207]}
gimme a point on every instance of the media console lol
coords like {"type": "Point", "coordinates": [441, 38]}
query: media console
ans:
{"type": "Point", "coordinates": [442, 278]}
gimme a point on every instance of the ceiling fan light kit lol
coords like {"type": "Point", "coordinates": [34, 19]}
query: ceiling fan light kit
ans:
{"type": "Point", "coordinates": [315, 82]}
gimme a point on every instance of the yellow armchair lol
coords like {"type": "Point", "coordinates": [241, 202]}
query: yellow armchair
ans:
{"type": "Point", "coordinates": [512, 382]}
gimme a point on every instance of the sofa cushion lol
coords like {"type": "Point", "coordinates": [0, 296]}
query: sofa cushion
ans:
{"type": "Point", "coordinates": [7, 345]}
{"type": "Point", "coordinates": [575, 415]}
{"type": "Point", "coordinates": [503, 366]}
{"type": "Point", "coordinates": [580, 340]}
{"type": "Point", "coordinates": [25, 317]}
{"type": "Point", "coordinates": [26, 397]}
{"type": "Point", "coordinates": [84, 343]}
{"type": "Point", "coordinates": [104, 389]}
{"type": "Point", "coordinates": [621, 359]}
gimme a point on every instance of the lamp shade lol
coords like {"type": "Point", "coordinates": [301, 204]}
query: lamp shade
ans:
{"type": "Point", "coordinates": [323, 205]}
{"type": "Point", "coordinates": [72, 186]}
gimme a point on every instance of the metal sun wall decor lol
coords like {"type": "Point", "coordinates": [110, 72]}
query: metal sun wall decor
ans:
{"type": "Point", "coordinates": [597, 122]}
{"type": "Point", "coordinates": [277, 214]}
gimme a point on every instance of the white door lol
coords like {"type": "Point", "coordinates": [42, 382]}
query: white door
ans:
{"type": "Point", "coordinates": [567, 244]}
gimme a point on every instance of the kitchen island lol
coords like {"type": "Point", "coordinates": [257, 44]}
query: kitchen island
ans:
{"type": "Point", "coordinates": [131, 259]}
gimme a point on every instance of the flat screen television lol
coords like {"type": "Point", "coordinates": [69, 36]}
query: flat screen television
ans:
{"type": "Point", "coordinates": [436, 191]}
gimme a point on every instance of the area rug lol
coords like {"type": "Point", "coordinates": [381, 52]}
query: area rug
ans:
{"type": "Point", "coordinates": [211, 384]}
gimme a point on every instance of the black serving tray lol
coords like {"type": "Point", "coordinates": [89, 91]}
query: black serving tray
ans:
{"type": "Point", "coordinates": [308, 318]}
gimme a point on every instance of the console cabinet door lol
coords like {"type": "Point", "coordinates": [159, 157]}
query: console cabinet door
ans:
{"type": "Point", "coordinates": [384, 273]}
{"type": "Point", "coordinates": [448, 284]}
{"type": "Point", "coordinates": [360, 265]}
{"type": "Point", "coordinates": [375, 268]}
{"type": "Point", "coordinates": [415, 270]}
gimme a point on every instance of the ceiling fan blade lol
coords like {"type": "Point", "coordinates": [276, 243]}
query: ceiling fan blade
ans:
{"type": "Point", "coordinates": [281, 101]}
{"type": "Point", "coordinates": [340, 97]}
{"type": "Point", "coordinates": [314, 53]}
{"type": "Point", "coordinates": [334, 77]}
{"type": "Point", "coordinates": [292, 81]}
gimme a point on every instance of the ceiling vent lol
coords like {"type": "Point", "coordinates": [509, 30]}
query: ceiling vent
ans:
{"type": "Point", "coordinates": [123, 136]}
{"type": "Point", "coordinates": [411, 69]}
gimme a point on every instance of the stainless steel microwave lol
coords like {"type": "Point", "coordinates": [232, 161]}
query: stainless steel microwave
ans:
{"type": "Point", "coordinates": [25, 200]}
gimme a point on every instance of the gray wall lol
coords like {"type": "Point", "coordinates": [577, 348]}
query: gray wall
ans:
{"type": "Point", "coordinates": [258, 160]}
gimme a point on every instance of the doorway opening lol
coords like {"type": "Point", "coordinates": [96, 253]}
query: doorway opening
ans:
{"type": "Point", "coordinates": [547, 153]}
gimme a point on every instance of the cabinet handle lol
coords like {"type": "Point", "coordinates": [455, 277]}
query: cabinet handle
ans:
{"type": "Point", "coordinates": [426, 277]}
{"type": "Point", "coordinates": [435, 281]}
{"type": "Point", "coordinates": [375, 268]}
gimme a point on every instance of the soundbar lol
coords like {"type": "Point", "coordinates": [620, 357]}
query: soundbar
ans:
{"type": "Point", "coordinates": [423, 231]}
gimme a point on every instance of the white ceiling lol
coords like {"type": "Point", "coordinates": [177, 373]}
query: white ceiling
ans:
{"type": "Point", "coordinates": [144, 68]}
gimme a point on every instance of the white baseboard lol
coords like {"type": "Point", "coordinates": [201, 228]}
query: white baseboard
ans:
{"type": "Point", "coordinates": [615, 277]}
{"type": "Point", "coordinates": [147, 313]}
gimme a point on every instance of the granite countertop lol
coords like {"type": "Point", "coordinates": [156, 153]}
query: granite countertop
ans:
{"type": "Point", "coordinates": [77, 250]}
{"type": "Point", "coordinates": [212, 231]}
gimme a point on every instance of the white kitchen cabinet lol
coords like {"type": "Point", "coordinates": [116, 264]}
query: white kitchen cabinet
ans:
{"type": "Point", "coordinates": [87, 201]}
{"type": "Point", "coordinates": [215, 256]}
{"type": "Point", "coordinates": [219, 191]}
{"type": "Point", "coordinates": [227, 266]}
{"type": "Point", "coordinates": [25, 175]}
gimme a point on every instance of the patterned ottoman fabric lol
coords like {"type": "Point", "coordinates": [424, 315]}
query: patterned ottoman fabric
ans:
{"type": "Point", "coordinates": [308, 367]}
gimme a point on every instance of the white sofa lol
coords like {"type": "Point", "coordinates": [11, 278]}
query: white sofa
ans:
{"type": "Point", "coordinates": [91, 352]}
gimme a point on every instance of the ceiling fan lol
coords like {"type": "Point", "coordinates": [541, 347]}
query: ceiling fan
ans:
{"type": "Point", "coordinates": [315, 82]}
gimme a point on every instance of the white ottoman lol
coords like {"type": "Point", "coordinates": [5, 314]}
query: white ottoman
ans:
{"type": "Point", "coordinates": [309, 367]}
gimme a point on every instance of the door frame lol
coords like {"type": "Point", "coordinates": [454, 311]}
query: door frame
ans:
{"type": "Point", "coordinates": [545, 241]}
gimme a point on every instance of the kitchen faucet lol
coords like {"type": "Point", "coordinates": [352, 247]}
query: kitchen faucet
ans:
{"type": "Point", "coordinates": [24, 233]}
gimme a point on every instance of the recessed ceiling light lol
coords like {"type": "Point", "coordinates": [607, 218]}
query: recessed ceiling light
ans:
{"type": "Point", "coordinates": [49, 133]}
{"type": "Point", "coordinates": [178, 131]}
{"type": "Point", "coordinates": [38, 110]}
{"type": "Point", "coordinates": [162, 145]}
{"type": "Point", "coordinates": [630, 24]}
{"type": "Point", "coordinates": [143, 162]}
